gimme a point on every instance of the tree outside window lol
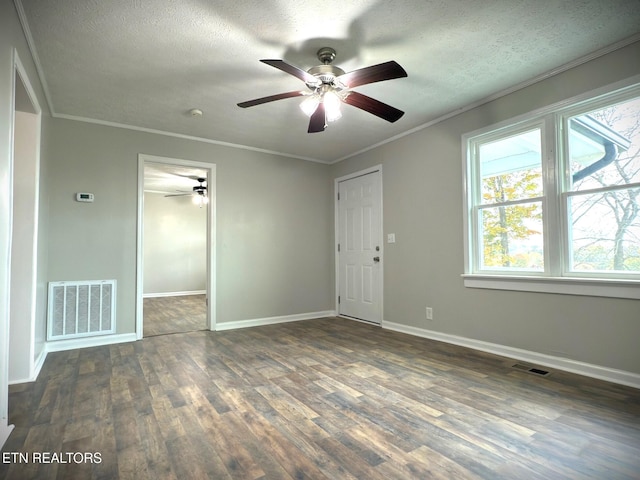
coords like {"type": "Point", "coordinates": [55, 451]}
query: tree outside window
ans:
{"type": "Point", "coordinates": [511, 211]}
{"type": "Point", "coordinates": [604, 204]}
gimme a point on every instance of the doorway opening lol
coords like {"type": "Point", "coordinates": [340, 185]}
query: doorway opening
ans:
{"type": "Point", "coordinates": [22, 349]}
{"type": "Point", "coordinates": [26, 347]}
{"type": "Point", "coordinates": [175, 253]}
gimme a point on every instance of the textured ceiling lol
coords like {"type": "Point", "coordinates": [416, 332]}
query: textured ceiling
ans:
{"type": "Point", "coordinates": [146, 63]}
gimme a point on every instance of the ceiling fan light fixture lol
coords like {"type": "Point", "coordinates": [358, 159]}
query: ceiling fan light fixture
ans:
{"type": "Point", "coordinates": [332, 106]}
{"type": "Point", "coordinates": [310, 104]}
{"type": "Point", "coordinates": [330, 86]}
{"type": "Point", "coordinates": [200, 199]}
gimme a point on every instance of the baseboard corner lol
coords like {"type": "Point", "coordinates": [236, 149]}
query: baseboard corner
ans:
{"type": "Point", "coordinates": [5, 431]}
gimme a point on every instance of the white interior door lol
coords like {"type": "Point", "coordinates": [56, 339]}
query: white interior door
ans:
{"type": "Point", "coordinates": [360, 247]}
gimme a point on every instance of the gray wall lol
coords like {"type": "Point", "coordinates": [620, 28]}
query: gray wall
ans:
{"type": "Point", "coordinates": [423, 194]}
{"type": "Point", "coordinates": [175, 245]}
{"type": "Point", "coordinates": [274, 220]}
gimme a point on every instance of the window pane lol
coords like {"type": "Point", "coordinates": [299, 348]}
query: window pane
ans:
{"type": "Point", "coordinates": [510, 168]}
{"type": "Point", "coordinates": [512, 237]}
{"type": "Point", "coordinates": [605, 231]}
{"type": "Point", "coordinates": [604, 146]}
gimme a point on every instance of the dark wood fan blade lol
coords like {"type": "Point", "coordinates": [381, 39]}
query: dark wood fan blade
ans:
{"type": "Point", "coordinates": [372, 74]}
{"type": "Point", "coordinates": [376, 107]}
{"type": "Point", "coordinates": [318, 120]}
{"type": "Point", "coordinates": [291, 70]}
{"type": "Point", "coordinates": [271, 98]}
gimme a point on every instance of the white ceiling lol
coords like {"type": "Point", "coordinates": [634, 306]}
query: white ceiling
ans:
{"type": "Point", "coordinates": [171, 179]}
{"type": "Point", "coordinates": [146, 63]}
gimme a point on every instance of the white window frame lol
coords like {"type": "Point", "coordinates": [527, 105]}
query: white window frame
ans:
{"type": "Point", "coordinates": [556, 277]}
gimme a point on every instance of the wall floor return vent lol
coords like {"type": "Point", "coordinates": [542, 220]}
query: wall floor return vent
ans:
{"type": "Point", "coordinates": [81, 309]}
{"type": "Point", "coordinates": [529, 369]}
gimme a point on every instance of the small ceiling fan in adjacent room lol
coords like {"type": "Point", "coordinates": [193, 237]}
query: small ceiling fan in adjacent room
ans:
{"type": "Point", "coordinates": [199, 193]}
{"type": "Point", "coordinates": [329, 86]}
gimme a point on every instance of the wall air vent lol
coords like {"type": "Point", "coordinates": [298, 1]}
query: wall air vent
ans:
{"type": "Point", "coordinates": [81, 309]}
{"type": "Point", "coordinates": [530, 369]}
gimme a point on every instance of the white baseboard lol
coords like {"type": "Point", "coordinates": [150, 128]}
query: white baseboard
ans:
{"type": "Point", "coordinates": [39, 363]}
{"type": "Point", "coordinates": [174, 294]}
{"type": "Point", "coordinates": [257, 322]}
{"type": "Point", "coordinates": [36, 370]}
{"type": "Point", "coordinates": [84, 342]}
{"type": "Point", "coordinates": [5, 431]}
{"type": "Point", "coordinates": [621, 377]}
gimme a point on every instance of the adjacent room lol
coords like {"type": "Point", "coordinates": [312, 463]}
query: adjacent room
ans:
{"type": "Point", "coordinates": [174, 253]}
{"type": "Point", "coordinates": [330, 240]}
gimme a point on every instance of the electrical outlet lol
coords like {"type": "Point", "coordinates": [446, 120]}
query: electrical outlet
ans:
{"type": "Point", "coordinates": [429, 313]}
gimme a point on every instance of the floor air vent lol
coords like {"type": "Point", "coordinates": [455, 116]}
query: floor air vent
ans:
{"type": "Point", "coordinates": [81, 309]}
{"type": "Point", "coordinates": [533, 370]}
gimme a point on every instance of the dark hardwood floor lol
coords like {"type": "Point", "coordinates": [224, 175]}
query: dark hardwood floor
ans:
{"type": "Point", "coordinates": [327, 398]}
{"type": "Point", "coordinates": [178, 314]}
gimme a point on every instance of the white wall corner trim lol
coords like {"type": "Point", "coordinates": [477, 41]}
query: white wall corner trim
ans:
{"type": "Point", "coordinates": [258, 322]}
{"type": "Point", "coordinates": [621, 377]}
{"type": "Point", "coordinates": [73, 343]}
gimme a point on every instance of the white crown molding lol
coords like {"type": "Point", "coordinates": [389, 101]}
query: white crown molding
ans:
{"type": "Point", "coordinates": [502, 93]}
{"type": "Point", "coordinates": [184, 137]}
{"type": "Point", "coordinates": [34, 53]}
{"type": "Point", "coordinates": [598, 53]}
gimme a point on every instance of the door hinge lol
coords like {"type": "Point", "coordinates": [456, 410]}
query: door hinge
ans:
{"type": "Point", "coordinates": [338, 195]}
{"type": "Point", "coordinates": [338, 299]}
{"type": "Point", "coordinates": [338, 247]}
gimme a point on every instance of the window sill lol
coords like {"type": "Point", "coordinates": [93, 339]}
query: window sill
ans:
{"type": "Point", "coordinates": [614, 288]}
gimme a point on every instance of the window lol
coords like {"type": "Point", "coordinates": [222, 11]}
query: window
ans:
{"type": "Point", "coordinates": [510, 204]}
{"type": "Point", "coordinates": [555, 198]}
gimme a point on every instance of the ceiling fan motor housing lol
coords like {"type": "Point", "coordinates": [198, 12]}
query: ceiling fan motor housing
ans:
{"type": "Point", "coordinates": [326, 55]}
{"type": "Point", "coordinates": [326, 72]}
{"type": "Point", "coordinates": [200, 189]}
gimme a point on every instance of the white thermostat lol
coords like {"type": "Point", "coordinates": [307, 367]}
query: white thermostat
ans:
{"type": "Point", "coordinates": [84, 197]}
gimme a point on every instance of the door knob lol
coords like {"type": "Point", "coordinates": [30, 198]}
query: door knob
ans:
{"type": "Point", "coordinates": [376, 259]}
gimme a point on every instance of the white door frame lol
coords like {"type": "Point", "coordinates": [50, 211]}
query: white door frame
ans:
{"type": "Point", "coordinates": [336, 187]}
{"type": "Point", "coordinates": [6, 232]}
{"type": "Point", "coordinates": [24, 278]}
{"type": "Point", "coordinates": [210, 168]}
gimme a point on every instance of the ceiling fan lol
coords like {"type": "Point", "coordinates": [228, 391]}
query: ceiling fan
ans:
{"type": "Point", "coordinates": [329, 86]}
{"type": "Point", "coordinates": [197, 190]}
